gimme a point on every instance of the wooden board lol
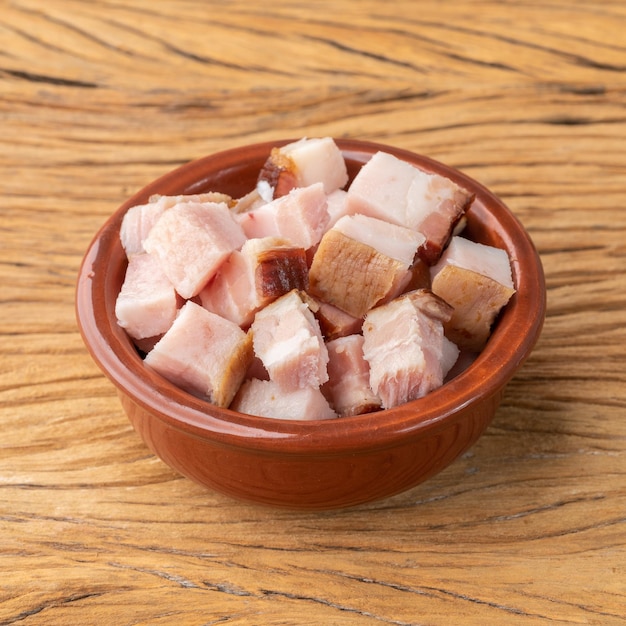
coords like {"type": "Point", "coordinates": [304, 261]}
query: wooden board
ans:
{"type": "Point", "coordinates": [99, 98]}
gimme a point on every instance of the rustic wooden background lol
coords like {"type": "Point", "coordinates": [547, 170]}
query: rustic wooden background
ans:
{"type": "Point", "coordinates": [99, 98]}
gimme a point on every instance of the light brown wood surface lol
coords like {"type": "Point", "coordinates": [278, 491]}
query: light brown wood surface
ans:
{"type": "Point", "coordinates": [99, 98]}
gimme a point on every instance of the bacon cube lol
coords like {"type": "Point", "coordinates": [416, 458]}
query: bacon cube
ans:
{"type": "Point", "coordinates": [404, 344]}
{"type": "Point", "coordinates": [476, 280]}
{"type": "Point", "coordinates": [147, 303]}
{"type": "Point", "coordinates": [287, 339]}
{"type": "Point", "coordinates": [267, 399]}
{"type": "Point", "coordinates": [191, 241]}
{"type": "Point", "coordinates": [300, 216]}
{"type": "Point", "coordinates": [250, 279]}
{"type": "Point", "coordinates": [361, 262]}
{"type": "Point", "coordinates": [204, 354]}
{"type": "Point", "coordinates": [303, 163]}
{"type": "Point", "coordinates": [389, 188]}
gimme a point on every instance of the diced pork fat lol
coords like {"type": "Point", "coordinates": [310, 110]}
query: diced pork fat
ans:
{"type": "Point", "coordinates": [391, 189]}
{"type": "Point", "coordinates": [381, 188]}
{"type": "Point", "coordinates": [301, 216]}
{"type": "Point", "coordinates": [337, 206]}
{"type": "Point", "coordinates": [250, 279]}
{"type": "Point", "coordinates": [476, 280]}
{"type": "Point", "coordinates": [191, 241]}
{"type": "Point", "coordinates": [137, 224]}
{"type": "Point", "coordinates": [204, 354]}
{"type": "Point", "coordinates": [267, 399]}
{"type": "Point", "coordinates": [277, 176]}
{"type": "Point", "coordinates": [288, 340]}
{"type": "Point", "coordinates": [303, 163]}
{"type": "Point", "coordinates": [362, 261]}
{"type": "Point", "coordinates": [435, 206]}
{"type": "Point", "coordinates": [404, 346]}
{"type": "Point", "coordinates": [477, 257]}
{"type": "Point", "coordinates": [348, 387]}
{"type": "Point", "coordinates": [139, 220]}
{"type": "Point", "coordinates": [231, 293]}
{"type": "Point", "coordinates": [147, 302]}
{"type": "Point", "coordinates": [391, 240]}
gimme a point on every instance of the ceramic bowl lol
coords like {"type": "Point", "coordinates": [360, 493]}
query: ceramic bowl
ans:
{"type": "Point", "coordinates": [317, 464]}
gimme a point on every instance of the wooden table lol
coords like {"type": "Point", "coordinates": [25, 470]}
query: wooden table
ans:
{"type": "Point", "coordinates": [99, 98]}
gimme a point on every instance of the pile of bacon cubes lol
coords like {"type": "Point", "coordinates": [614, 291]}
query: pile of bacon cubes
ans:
{"type": "Point", "coordinates": [307, 298]}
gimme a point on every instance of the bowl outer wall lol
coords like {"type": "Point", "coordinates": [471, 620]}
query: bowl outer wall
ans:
{"type": "Point", "coordinates": [234, 172]}
{"type": "Point", "coordinates": [312, 480]}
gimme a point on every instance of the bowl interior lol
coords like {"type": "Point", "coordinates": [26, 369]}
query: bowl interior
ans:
{"type": "Point", "coordinates": [235, 172]}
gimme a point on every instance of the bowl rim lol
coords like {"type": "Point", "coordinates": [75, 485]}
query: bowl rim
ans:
{"type": "Point", "coordinates": [517, 330]}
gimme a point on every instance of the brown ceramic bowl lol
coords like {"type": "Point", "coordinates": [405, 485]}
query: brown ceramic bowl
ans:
{"type": "Point", "coordinates": [317, 464]}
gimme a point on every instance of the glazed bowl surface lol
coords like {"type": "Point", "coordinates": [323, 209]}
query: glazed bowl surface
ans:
{"type": "Point", "coordinates": [309, 464]}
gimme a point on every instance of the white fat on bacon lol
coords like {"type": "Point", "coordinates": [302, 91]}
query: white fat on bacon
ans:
{"type": "Point", "coordinates": [266, 398]}
{"type": "Point", "coordinates": [137, 224]}
{"type": "Point", "coordinates": [317, 160]}
{"type": "Point", "coordinates": [204, 354]}
{"type": "Point", "coordinates": [337, 206]}
{"type": "Point", "coordinates": [288, 341]}
{"type": "Point", "coordinates": [147, 303]}
{"type": "Point", "coordinates": [231, 293]}
{"type": "Point", "coordinates": [391, 189]}
{"type": "Point", "coordinates": [139, 219]}
{"type": "Point", "coordinates": [303, 163]}
{"type": "Point", "coordinates": [362, 261]}
{"type": "Point", "coordinates": [405, 347]}
{"type": "Point", "coordinates": [475, 279]}
{"type": "Point", "coordinates": [191, 241]}
{"type": "Point", "coordinates": [300, 216]}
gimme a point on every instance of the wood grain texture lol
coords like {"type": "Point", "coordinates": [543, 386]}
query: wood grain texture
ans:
{"type": "Point", "coordinates": [98, 98]}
